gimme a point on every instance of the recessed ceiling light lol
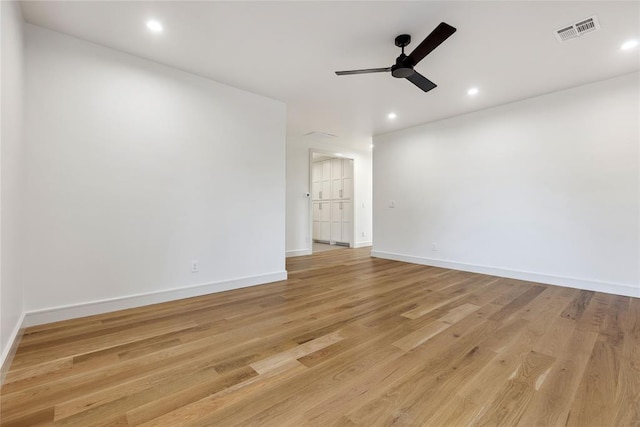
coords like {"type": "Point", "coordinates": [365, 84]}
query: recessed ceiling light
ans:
{"type": "Point", "coordinates": [473, 91]}
{"type": "Point", "coordinates": [629, 44]}
{"type": "Point", "coordinates": [154, 26]}
{"type": "Point", "coordinates": [339, 154]}
{"type": "Point", "coordinates": [391, 116]}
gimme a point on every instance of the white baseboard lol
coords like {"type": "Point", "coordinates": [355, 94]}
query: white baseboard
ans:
{"type": "Point", "coordinates": [570, 282]}
{"type": "Point", "coordinates": [362, 244]}
{"type": "Point", "coordinates": [12, 345]}
{"type": "Point", "coordinates": [55, 314]}
{"type": "Point", "coordinates": [298, 252]}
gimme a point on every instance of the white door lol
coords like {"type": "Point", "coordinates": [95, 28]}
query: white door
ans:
{"type": "Point", "coordinates": [336, 221]}
{"type": "Point", "coordinates": [321, 180]}
{"type": "Point", "coordinates": [347, 179]}
{"type": "Point", "coordinates": [325, 221]}
{"type": "Point", "coordinates": [347, 215]}
{"type": "Point", "coordinates": [321, 221]}
{"type": "Point", "coordinates": [341, 228]}
{"type": "Point", "coordinates": [325, 185]}
{"type": "Point", "coordinates": [316, 180]}
{"type": "Point", "coordinates": [336, 178]}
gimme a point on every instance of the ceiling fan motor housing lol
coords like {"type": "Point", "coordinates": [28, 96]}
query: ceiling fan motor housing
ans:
{"type": "Point", "coordinates": [402, 68]}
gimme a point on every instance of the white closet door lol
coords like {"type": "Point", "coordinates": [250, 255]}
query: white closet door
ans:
{"type": "Point", "coordinates": [325, 211]}
{"type": "Point", "coordinates": [316, 221]}
{"type": "Point", "coordinates": [336, 178]}
{"type": "Point", "coordinates": [325, 190]}
{"type": "Point", "coordinates": [325, 221]}
{"type": "Point", "coordinates": [347, 179]}
{"type": "Point", "coordinates": [347, 185]}
{"type": "Point", "coordinates": [316, 172]}
{"type": "Point", "coordinates": [341, 228]}
{"type": "Point", "coordinates": [316, 180]}
{"type": "Point", "coordinates": [322, 221]}
{"type": "Point", "coordinates": [347, 215]}
{"type": "Point", "coordinates": [336, 221]}
{"type": "Point", "coordinates": [325, 184]}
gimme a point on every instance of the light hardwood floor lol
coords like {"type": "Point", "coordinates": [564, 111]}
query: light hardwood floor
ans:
{"type": "Point", "coordinates": [347, 340]}
{"type": "Point", "coordinates": [323, 247]}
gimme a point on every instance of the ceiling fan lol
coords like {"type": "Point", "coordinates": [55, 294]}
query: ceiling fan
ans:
{"type": "Point", "coordinates": [403, 68]}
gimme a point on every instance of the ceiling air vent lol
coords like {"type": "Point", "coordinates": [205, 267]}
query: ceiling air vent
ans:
{"type": "Point", "coordinates": [320, 135]}
{"type": "Point", "coordinates": [577, 29]}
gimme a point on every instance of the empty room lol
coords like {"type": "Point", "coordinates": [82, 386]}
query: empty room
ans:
{"type": "Point", "coordinates": [320, 213]}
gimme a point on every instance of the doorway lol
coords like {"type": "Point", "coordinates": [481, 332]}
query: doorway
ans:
{"type": "Point", "coordinates": [332, 190]}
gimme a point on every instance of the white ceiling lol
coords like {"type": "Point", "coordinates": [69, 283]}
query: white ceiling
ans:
{"type": "Point", "coordinates": [290, 50]}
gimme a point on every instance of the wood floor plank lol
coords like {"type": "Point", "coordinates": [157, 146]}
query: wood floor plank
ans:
{"type": "Point", "coordinates": [552, 404]}
{"type": "Point", "coordinates": [420, 336]}
{"type": "Point", "coordinates": [593, 404]}
{"type": "Point", "coordinates": [456, 411]}
{"type": "Point", "coordinates": [510, 355]}
{"type": "Point", "coordinates": [511, 402]}
{"type": "Point", "coordinates": [347, 340]}
{"type": "Point", "coordinates": [425, 333]}
{"type": "Point", "coordinates": [578, 305]}
{"type": "Point", "coordinates": [595, 399]}
{"type": "Point", "coordinates": [514, 306]}
{"type": "Point", "coordinates": [436, 352]}
{"type": "Point", "coordinates": [197, 411]}
{"type": "Point", "coordinates": [411, 389]}
{"type": "Point", "coordinates": [271, 363]}
{"type": "Point", "coordinates": [191, 370]}
{"type": "Point", "coordinates": [627, 395]}
{"type": "Point", "coordinates": [595, 313]}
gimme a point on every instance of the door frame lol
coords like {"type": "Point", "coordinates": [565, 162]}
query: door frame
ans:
{"type": "Point", "coordinates": [334, 155]}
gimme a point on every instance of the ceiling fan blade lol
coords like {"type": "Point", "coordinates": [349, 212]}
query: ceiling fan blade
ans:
{"type": "Point", "coordinates": [366, 71]}
{"type": "Point", "coordinates": [421, 81]}
{"type": "Point", "coordinates": [442, 32]}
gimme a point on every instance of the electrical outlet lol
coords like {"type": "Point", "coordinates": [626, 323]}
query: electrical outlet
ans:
{"type": "Point", "coordinates": [392, 203]}
{"type": "Point", "coordinates": [194, 266]}
{"type": "Point", "coordinates": [363, 234]}
{"type": "Point", "coordinates": [434, 247]}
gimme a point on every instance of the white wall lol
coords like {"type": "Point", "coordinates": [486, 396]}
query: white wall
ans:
{"type": "Point", "coordinates": [11, 167]}
{"type": "Point", "coordinates": [298, 184]}
{"type": "Point", "coordinates": [544, 189]}
{"type": "Point", "coordinates": [133, 170]}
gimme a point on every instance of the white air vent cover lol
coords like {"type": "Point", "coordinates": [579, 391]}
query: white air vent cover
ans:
{"type": "Point", "coordinates": [321, 135]}
{"type": "Point", "coordinates": [577, 29]}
